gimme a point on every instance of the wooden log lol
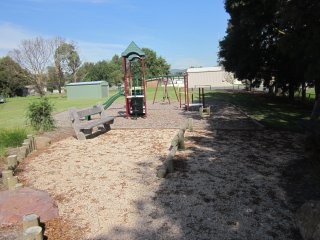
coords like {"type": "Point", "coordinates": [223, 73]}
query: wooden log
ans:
{"type": "Point", "coordinates": [162, 171]}
{"type": "Point", "coordinates": [30, 220]}
{"type": "Point", "coordinates": [169, 159]}
{"type": "Point", "coordinates": [175, 140]}
{"type": "Point", "coordinates": [5, 175]}
{"type": "Point", "coordinates": [181, 145]}
{"type": "Point", "coordinates": [167, 166]}
{"type": "Point", "coordinates": [190, 124]}
{"type": "Point", "coordinates": [178, 140]}
{"type": "Point", "coordinates": [33, 233]}
{"type": "Point", "coordinates": [12, 182]}
{"type": "Point", "coordinates": [12, 162]}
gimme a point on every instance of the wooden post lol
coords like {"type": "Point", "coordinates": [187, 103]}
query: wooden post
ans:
{"type": "Point", "coordinates": [12, 162]}
{"type": "Point", "coordinates": [5, 175]}
{"type": "Point", "coordinates": [203, 100]}
{"type": "Point", "coordinates": [33, 233]}
{"type": "Point", "coordinates": [30, 220]}
{"type": "Point", "coordinates": [201, 111]}
{"type": "Point", "coordinates": [208, 110]}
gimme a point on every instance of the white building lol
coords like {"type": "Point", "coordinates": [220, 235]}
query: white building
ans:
{"type": "Point", "coordinates": [209, 77]}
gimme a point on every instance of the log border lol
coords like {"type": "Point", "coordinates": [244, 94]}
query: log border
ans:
{"type": "Point", "coordinates": [177, 143]}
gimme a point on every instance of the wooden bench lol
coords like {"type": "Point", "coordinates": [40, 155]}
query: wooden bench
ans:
{"type": "Point", "coordinates": [83, 121]}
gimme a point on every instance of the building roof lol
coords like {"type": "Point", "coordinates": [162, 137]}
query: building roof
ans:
{"type": "Point", "coordinates": [204, 69]}
{"type": "Point", "coordinates": [85, 83]}
{"type": "Point", "coordinates": [133, 49]}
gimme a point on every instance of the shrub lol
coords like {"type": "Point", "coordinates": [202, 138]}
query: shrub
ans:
{"type": "Point", "coordinates": [39, 114]}
{"type": "Point", "coordinates": [11, 138]}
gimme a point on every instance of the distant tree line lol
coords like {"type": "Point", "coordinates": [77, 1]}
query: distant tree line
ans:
{"type": "Point", "coordinates": [276, 41]}
{"type": "Point", "coordinates": [52, 63]}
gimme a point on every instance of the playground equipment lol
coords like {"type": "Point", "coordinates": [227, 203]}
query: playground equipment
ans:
{"type": "Point", "coordinates": [134, 81]}
{"type": "Point", "coordinates": [114, 97]}
{"type": "Point", "coordinates": [191, 92]}
{"type": "Point", "coordinates": [164, 81]}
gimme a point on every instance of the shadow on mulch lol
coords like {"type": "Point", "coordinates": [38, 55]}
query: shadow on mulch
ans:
{"type": "Point", "coordinates": [301, 180]}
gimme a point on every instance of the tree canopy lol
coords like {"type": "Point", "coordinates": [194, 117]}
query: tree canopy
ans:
{"type": "Point", "coordinates": [111, 71]}
{"type": "Point", "coordinates": [12, 78]}
{"type": "Point", "coordinates": [273, 39]}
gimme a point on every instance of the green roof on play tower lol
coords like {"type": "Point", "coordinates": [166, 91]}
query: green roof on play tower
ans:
{"type": "Point", "coordinates": [133, 49]}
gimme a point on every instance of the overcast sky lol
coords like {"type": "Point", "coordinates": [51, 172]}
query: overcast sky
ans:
{"type": "Point", "coordinates": [185, 32]}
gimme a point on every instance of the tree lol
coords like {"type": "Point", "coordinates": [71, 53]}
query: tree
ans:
{"type": "Point", "coordinates": [274, 38]}
{"type": "Point", "coordinates": [110, 71]}
{"type": "Point", "coordinates": [12, 78]}
{"type": "Point", "coordinates": [67, 62]}
{"type": "Point", "coordinates": [53, 79]}
{"type": "Point", "coordinates": [248, 48]}
{"type": "Point", "coordinates": [35, 55]}
{"type": "Point", "coordinates": [155, 66]}
{"type": "Point", "coordinates": [85, 70]}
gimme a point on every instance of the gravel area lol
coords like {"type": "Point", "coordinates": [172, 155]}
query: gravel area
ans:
{"type": "Point", "coordinates": [227, 184]}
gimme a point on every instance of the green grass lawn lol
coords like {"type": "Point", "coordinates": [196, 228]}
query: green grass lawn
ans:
{"type": "Point", "coordinates": [273, 112]}
{"type": "Point", "coordinates": [13, 112]}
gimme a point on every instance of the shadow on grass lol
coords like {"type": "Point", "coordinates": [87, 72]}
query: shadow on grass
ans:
{"type": "Point", "coordinates": [273, 112]}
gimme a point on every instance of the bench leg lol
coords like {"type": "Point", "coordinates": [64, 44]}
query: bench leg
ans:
{"type": "Point", "coordinates": [107, 127]}
{"type": "Point", "coordinates": [81, 136]}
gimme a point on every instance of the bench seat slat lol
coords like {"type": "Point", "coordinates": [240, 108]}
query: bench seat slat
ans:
{"type": "Point", "coordinates": [94, 123]}
{"type": "Point", "coordinates": [88, 112]}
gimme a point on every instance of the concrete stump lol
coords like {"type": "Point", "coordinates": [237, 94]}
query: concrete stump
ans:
{"type": "Point", "coordinates": [22, 153]}
{"type": "Point", "coordinates": [27, 142]}
{"type": "Point", "coordinates": [26, 145]}
{"type": "Point", "coordinates": [42, 142]}
{"type": "Point", "coordinates": [5, 175]}
{"type": "Point", "coordinates": [12, 182]}
{"type": "Point", "coordinates": [30, 220]}
{"type": "Point", "coordinates": [31, 138]}
{"type": "Point", "coordinates": [12, 162]}
{"type": "Point", "coordinates": [19, 186]}
{"type": "Point", "coordinates": [33, 233]}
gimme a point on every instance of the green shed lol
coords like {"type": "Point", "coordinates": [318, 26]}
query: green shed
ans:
{"type": "Point", "coordinates": [85, 90]}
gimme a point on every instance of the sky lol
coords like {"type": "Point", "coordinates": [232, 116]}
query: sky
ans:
{"type": "Point", "coordinates": [184, 32]}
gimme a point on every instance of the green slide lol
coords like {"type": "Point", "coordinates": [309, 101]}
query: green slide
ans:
{"type": "Point", "coordinates": [108, 103]}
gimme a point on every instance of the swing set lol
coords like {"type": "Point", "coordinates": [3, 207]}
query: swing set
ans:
{"type": "Point", "coordinates": [163, 81]}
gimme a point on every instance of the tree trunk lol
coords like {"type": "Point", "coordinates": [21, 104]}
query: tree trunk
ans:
{"type": "Point", "coordinates": [303, 91]}
{"type": "Point", "coordinates": [316, 110]}
{"type": "Point", "coordinates": [291, 91]}
{"type": "Point", "coordinates": [317, 88]}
